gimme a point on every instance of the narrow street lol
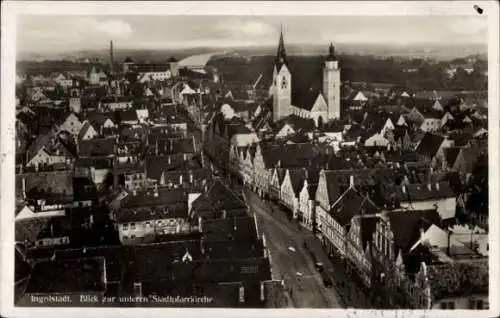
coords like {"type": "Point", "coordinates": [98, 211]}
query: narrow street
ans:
{"type": "Point", "coordinates": [290, 260]}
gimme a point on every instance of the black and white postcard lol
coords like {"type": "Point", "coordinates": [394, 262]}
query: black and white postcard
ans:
{"type": "Point", "coordinates": [339, 157]}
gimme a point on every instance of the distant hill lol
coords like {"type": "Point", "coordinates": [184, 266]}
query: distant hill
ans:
{"type": "Point", "coordinates": [435, 51]}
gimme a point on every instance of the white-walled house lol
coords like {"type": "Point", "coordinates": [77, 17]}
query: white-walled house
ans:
{"type": "Point", "coordinates": [377, 140]}
{"type": "Point", "coordinates": [429, 196]}
{"type": "Point", "coordinates": [142, 216]}
{"type": "Point", "coordinates": [307, 204]}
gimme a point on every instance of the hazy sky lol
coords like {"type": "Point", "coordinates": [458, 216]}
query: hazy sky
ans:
{"type": "Point", "coordinates": [68, 33]}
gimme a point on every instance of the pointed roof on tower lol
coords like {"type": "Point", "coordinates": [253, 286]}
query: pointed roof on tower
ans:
{"type": "Point", "coordinates": [331, 54]}
{"type": "Point", "coordinates": [281, 54]}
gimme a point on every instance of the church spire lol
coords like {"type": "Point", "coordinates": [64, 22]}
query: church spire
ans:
{"type": "Point", "coordinates": [281, 54]}
{"type": "Point", "coordinates": [331, 53]}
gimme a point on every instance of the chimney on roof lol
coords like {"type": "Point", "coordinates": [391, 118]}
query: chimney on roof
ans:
{"type": "Point", "coordinates": [200, 221]}
{"type": "Point", "coordinates": [437, 186]}
{"type": "Point", "coordinates": [403, 188]}
{"type": "Point", "coordinates": [156, 193]}
{"type": "Point", "coordinates": [429, 186]}
{"type": "Point", "coordinates": [448, 247]}
{"type": "Point", "coordinates": [351, 181]}
{"type": "Point", "coordinates": [190, 177]}
{"type": "Point", "coordinates": [180, 179]}
{"type": "Point", "coordinates": [23, 189]}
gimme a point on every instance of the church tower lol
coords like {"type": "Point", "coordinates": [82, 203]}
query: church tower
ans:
{"type": "Point", "coordinates": [75, 101]}
{"type": "Point", "coordinates": [331, 84]}
{"type": "Point", "coordinates": [282, 84]}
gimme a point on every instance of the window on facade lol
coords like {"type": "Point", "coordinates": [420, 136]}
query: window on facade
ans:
{"type": "Point", "coordinates": [132, 236]}
{"type": "Point", "coordinates": [125, 226]}
{"type": "Point", "coordinates": [132, 226]}
{"type": "Point", "coordinates": [448, 305]}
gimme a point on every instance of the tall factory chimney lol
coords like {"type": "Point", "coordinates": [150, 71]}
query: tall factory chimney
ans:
{"type": "Point", "coordinates": [111, 57]}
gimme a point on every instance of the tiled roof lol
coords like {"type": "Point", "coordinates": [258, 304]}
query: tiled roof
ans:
{"type": "Point", "coordinates": [451, 154]}
{"type": "Point", "coordinates": [218, 198]}
{"type": "Point", "coordinates": [297, 177]}
{"type": "Point", "coordinates": [421, 192]}
{"type": "Point", "coordinates": [230, 228]}
{"type": "Point", "coordinates": [338, 181]}
{"type": "Point", "coordinates": [47, 184]}
{"type": "Point", "coordinates": [290, 155]}
{"type": "Point", "coordinates": [155, 165]}
{"type": "Point", "coordinates": [367, 226]}
{"type": "Point", "coordinates": [406, 225]}
{"type": "Point", "coordinates": [351, 203]}
{"type": "Point", "coordinates": [98, 119]}
{"type": "Point", "coordinates": [68, 276]}
{"type": "Point", "coordinates": [459, 278]}
{"type": "Point", "coordinates": [304, 99]}
{"type": "Point", "coordinates": [85, 128]}
{"type": "Point", "coordinates": [298, 123]}
{"type": "Point", "coordinates": [97, 163]}
{"type": "Point", "coordinates": [311, 189]}
{"type": "Point", "coordinates": [172, 204]}
{"type": "Point", "coordinates": [57, 226]}
{"type": "Point", "coordinates": [429, 145]}
{"type": "Point", "coordinates": [40, 142]}
{"type": "Point", "coordinates": [96, 147]}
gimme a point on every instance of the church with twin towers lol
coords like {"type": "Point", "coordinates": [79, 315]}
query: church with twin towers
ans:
{"type": "Point", "coordinates": [320, 105]}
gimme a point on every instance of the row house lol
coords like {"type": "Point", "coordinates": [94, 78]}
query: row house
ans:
{"type": "Point", "coordinates": [335, 209]}
{"type": "Point", "coordinates": [359, 246]}
{"type": "Point", "coordinates": [430, 145]}
{"type": "Point", "coordinates": [192, 179]}
{"type": "Point", "coordinates": [115, 103]}
{"type": "Point", "coordinates": [290, 189]}
{"type": "Point", "coordinates": [395, 234]}
{"type": "Point", "coordinates": [97, 148]}
{"type": "Point", "coordinates": [438, 196]}
{"type": "Point", "coordinates": [246, 165]}
{"type": "Point", "coordinates": [418, 264]}
{"type": "Point", "coordinates": [49, 152]}
{"type": "Point", "coordinates": [142, 216]}
{"type": "Point", "coordinates": [87, 131]}
{"type": "Point", "coordinates": [269, 156]}
{"type": "Point", "coordinates": [277, 177]}
{"type": "Point", "coordinates": [105, 124]}
{"type": "Point", "coordinates": [214, 202]}
{"type": "Point", "coordinates": [307, 203]}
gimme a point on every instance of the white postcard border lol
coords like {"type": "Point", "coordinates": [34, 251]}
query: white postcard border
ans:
{"type": "Point", "coordinates": [11, 9]}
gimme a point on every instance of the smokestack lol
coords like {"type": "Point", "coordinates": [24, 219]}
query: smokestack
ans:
{"type": "Point", "coordinates": [111, 57]}
{"type": "Point", "coordinates": [351, 181]}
